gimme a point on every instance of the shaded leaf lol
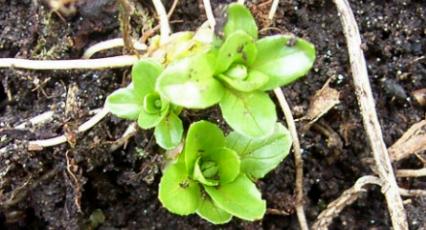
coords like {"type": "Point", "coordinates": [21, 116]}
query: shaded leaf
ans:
{"type": "Point", "coordinates": [251, 114]}
{"type": "Point", "coordinates": [240, 198]}
{"type": "Point", "coordinates": [210, 212]}
{"type": "Point", "coordinates": [168, 133]}
{"type": "Point", "coordinates": [261, 155]}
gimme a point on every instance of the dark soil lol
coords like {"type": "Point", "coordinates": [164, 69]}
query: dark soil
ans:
{"type": "Point", "coordinates": [37, 190]}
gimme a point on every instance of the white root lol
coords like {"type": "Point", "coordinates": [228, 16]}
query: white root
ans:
{"type": "Point", "coordinates": [100, 63]}
{"type": "Point", "coordinates": [164, 21]}
{"type": "Point", "coordinates": [109, 44]}
{"type": "Point", "coordinates": [209, 13]}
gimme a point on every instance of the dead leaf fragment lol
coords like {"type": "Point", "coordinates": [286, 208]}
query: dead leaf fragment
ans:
{"type": "Point", "coordinates": [323, 100]}
{"type": "Point", "coordinates": [412, 141]}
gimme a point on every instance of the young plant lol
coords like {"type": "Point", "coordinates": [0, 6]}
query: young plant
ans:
{"type": "Point", "coordinates": [237, 73]}
{"type": "Point", "coordinates": [139, 101]}
{"type": "Point", "coordinates": [214, 175]}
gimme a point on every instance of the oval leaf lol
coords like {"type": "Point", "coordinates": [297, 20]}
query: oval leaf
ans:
{"type": "Point", "coordinates": [144, 76]}
{"type": "Point", "coordinates": [210, 212]}
{"type": "Point", "coordinates": [254, 80]}
{"type": "Point", "coordinates": [239, 47]}
{"type": "Point", "coordinates": [178, 193]}
{"type": "Point", "coordinates": [240, 198]}
{"type": "Point", "coordinates": [281, 62]}
{"type": "Point", "coordinates": [251, 114]}
{"type": "Point", "coordinates": [228, 162]}
{"type": "Point", "coordinates": [189, 83]}
{"type": "Point", "coordinates": [240, 18]}
{"type": "Point", "coordinates": [168, 133]}
{"type": "Point", "coordinates": [260, 156]}
{"type": "Point", "coordinates": [202, 136]}
{"type": "Point", "coordinates": [124, 103]}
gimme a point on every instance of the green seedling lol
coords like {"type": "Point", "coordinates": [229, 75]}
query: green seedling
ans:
{"type": "Point", "coordinates": [237, 72]}
{"type": "Point", "coordinates": [214, 175]}
{"type": "Point", "coordinates": [139, 101]}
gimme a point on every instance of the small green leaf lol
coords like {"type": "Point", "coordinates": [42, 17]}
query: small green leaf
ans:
{"type": "Point", "coordinates": [202, 136]}
{"type": "Point", "coordinates": [199, 175]}
{"type": "Point", "coordinates": [239, 47]}
{"type": "Point", "coordinates": [254, 80]}
{"type": "Point", "coordinates": [251, 114]}
{"type": "Point", "coordinates": [189, 82]}
{"type": "Point", "coordinates": [210, 212]}
{"type": "Point", "coordinates": [178, 193]}
{"type": "Point", "coordinates": [152, 103]}
{"type": "Point", "coordinates": [144, 76]}
{"type": "Point", "coordinates": [168, 133]}
{"type": "Point", "coordinates": [281, 62]}
{"type": "Point", "coordinates": [240, 198]}
{"type": "Point", "coordinates": [228, 163]}
{"type": "Point", "coordinates": [124, 103]}
{"type": "Point", "coordinates": [240, 18]}
{"type": "Point", "coordinates": [260, 156]}
{"type": "Point", "coordinates": [150, 119]}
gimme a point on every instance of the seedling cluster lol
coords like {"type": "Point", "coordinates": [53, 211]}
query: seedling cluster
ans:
{"type": "Point", "coordinates": [214, 175]}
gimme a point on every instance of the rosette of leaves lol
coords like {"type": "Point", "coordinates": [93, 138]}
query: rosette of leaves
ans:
{"type": "Point", "coordinates": [214, 175]}
{"type": "Point", "coordinates": [237, 74]}
{"type": "Point", "coordinates": [139, 101]}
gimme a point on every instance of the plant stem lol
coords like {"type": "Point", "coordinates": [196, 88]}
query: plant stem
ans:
{"type": "Point", "coordinates": [164, 21]}
{"type": "Point", "coordinates": [298, 161]}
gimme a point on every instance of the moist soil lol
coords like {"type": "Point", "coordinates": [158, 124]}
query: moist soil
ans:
{"type": "Point", "coordinates": [83, 185]}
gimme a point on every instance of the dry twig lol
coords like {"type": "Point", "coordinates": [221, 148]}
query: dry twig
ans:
{"type": "Point", "coordinates": [347, 198]}
{"type": "Point", "coordinates": [297, 158]}
{"type": "Point", "coordinates": [369, 115]}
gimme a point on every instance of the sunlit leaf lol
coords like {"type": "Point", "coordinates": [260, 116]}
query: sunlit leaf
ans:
{"type": "Point", "coordinates": [168, 133]}
{"type": "Point", "coordinates": [240, 18]}
{"type": "Point", "coordinates": [124, 103]}
{"type": "Point", "coordinates": [210, 212]}
{"type": "Point", "coordinates": [144, 76]}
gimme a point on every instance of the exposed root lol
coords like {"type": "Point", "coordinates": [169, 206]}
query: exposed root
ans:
{"type": "Point", "coordinates": [209, 13]}
{"type": "Point", "coordinates": [164, 21]}
{"type": "Point", "coordinates": [109, 44]}
{"type": "Point", "coordinates": [100, 63]}
{"type": "Point", "coordinates": [129, 133]}
{"type": "Point", "coordinates": [367, 107]}
{"type": "Point", "coordinates": [411, 172]}
{"type": "Point", "coordinates": [297, 158]}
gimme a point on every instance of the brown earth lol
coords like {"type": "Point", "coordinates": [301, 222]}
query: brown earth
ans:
{"type": "Point", "coordinates": [39, 192]}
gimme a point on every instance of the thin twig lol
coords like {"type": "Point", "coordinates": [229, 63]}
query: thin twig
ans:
{"type": "Point", "coordinates": [369, 115]}
{"type": "Point", "coordinates": [348, 197]}
{"type": "Point", "coordinates": [172, 8]}
{"type": "Point", "coordinates": [411, 172]}
{"type": "Point", "coordinates": [100, 63]}
{"type": "Point", "coordinates": [209, 13]}
{"type": "Point", "coordinates": [164, 21]}
{"type": "Point", "coordinates": [298, 161]}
